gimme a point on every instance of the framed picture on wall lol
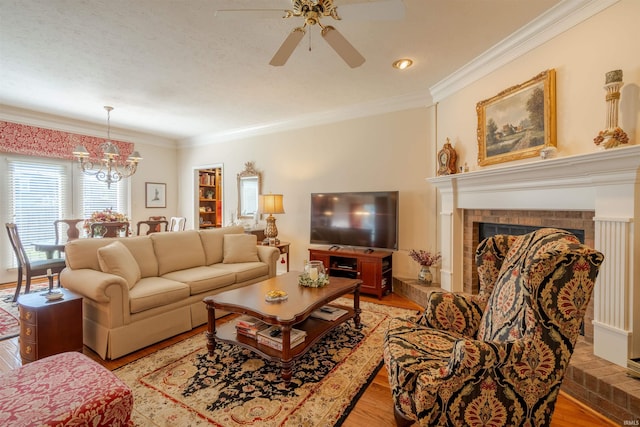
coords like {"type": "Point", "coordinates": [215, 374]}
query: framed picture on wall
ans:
{"type": "Point", "coordinates": [155, 195]}
{"type": "Point", "coordinates": [518, 122]}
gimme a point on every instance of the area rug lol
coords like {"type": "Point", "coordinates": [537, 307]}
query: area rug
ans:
{"type": "Point", "coordinates": [9, 325]}
{"type": "Point", "coordinates": [182, 385]}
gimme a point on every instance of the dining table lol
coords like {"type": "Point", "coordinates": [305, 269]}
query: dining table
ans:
{"type": "Point", "coordinates": [49, 248]}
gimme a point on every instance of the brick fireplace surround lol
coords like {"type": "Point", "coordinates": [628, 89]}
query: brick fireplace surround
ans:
{"type": "Point", "coordinates": [573, 220]}
{"type": "Point", "coordinates": [597, 192]}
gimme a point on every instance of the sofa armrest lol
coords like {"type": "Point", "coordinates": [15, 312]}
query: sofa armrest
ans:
{"type": "Point", "coordinates": [104, 290]}
{"type": "Point", "coordinates": [471, 356]}
{"type": "Point", "coordinates": [270, 256]}
{"type": "Point", "coordinates": [92, 284]}
{"type": "Point", "coordinates": [454, 312]}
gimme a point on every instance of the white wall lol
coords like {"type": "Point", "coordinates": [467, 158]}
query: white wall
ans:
{"type": "Point", "coordinates": [385, 152]}
{"type": "Point", "coordinates": [581, 56]}
{"type": "Point", "coordinates": [158, 165]}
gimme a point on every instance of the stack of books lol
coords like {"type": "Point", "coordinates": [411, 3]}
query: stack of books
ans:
{"type": "Point", "coordinates": [272, 337]}
{"type": "Point", "coordinates": [249, 326]}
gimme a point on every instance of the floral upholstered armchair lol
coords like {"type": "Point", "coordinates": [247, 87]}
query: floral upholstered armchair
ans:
{"type": "Point", "coordinates": [496, 358]}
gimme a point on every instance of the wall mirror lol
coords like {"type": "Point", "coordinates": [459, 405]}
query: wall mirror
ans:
{"type": "Point", "coordinates": [249, 188]}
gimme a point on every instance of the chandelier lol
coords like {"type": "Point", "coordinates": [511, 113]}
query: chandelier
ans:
{"type": "Point", "coordinates": [110, 170]}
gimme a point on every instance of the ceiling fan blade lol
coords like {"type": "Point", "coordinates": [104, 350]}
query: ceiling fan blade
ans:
{"type": "Point", "coordinates": [381, 10]}
{"type": "Point", "coordinates": [287, 48]}
{"type": "Point", "coordinates": [342, 47]}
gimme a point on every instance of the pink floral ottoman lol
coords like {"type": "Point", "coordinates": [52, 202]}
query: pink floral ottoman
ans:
{"type": "Point", "coordinates": [66, 389]}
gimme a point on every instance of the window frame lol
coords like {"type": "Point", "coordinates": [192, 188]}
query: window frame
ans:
{"type": "Point", "coordinates": [71, 204]}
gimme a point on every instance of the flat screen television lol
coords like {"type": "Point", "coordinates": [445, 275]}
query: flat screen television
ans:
{"type": "Point", "coordinates": [359, 219]}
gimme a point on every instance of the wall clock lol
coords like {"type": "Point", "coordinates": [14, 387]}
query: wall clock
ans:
{"type": "Point", "coordinates": [447, 159]}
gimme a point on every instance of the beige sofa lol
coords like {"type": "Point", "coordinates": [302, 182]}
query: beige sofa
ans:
{"type": "Point", "coordinates": [141, 290]}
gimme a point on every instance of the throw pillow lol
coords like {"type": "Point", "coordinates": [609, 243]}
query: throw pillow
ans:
{"type": "Point", "coordinates": [240, 248]}
{"type": "Point", "coordinates": [116, 259]}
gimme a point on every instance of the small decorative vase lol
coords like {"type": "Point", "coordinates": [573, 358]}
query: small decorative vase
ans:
{"type": "Point", "coordinates": [424, 276]}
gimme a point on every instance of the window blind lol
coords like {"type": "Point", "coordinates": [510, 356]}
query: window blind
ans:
{"type": "Point", "coordinates": [37, 194]}
{"type": "Point", "coordinates": [95, 196]}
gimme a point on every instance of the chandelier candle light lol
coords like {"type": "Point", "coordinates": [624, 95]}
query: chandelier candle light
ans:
{"type": "Point", "coordinates": [272, 204]}
{"type": "Point", "coordinates": [110, 170]}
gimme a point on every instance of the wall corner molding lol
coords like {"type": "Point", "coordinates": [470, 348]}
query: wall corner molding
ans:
{"type": "Point", "coordinates": [555, 21]}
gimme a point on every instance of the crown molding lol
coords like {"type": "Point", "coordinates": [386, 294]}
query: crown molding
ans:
{"type": "Point", "coordinates": [66, 124]}
{"type": "Point", "coordinates": [555, 21]}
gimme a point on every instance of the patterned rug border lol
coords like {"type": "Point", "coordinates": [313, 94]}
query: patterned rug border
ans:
{"type": "Point", "coordinates": [166, 359]}
{"type": "Point", "coordinates": [9, 309]}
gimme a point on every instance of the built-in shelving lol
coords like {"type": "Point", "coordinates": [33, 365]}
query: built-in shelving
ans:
{"type": "Point", "coordinates": [210, 197]}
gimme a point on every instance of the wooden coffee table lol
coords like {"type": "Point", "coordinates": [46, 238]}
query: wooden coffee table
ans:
{"type": "Point", "coordinates": [295, 312]}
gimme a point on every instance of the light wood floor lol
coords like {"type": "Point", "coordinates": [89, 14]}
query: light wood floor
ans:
{"type": "Point", "coordinates": [375, 407]}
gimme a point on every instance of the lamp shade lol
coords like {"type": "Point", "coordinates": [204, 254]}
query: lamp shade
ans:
{"type": "Point", "coordinates": [272, 204]}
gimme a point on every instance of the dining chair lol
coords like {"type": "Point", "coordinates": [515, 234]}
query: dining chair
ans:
{"type": "Point", "coordinates": [158, 218]}
{"type": "Point", "coordinates": [153, 226]}
{"type": "Point", "coordinates": [109, 229]}
{"type": "Point", "coordinates": [72, 230]}
{"type": "Point", "coordinates": [177, 223]}
{"type": "Point", "coordinates": [30, 268]}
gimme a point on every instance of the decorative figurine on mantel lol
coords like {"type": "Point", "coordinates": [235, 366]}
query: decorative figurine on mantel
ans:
{"type": "Point", "coordinates": [612, 136]}
{"type": "Point", "coordinates": [447, 159]}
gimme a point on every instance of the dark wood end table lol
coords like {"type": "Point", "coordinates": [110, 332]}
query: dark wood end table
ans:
{"type": "Point", "coordinates": [294, 311]}
{"type": "Point", "coordinates": [49, 327]}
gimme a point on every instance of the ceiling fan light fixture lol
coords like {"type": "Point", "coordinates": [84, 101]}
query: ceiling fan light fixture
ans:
{"type": "Point", "coordinates": [402, 64]}
{"type": "Point", "coordinates": [287, 48]}
{"type": "Point", "coordinates": [342, 46]}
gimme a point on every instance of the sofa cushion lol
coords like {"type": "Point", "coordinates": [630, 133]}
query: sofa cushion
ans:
{"type": "Point", "coordinates": [202, 279]}
{"type": "Point", "coordinates": [116, 259]}
{"type": "Point", "coordinates": [141, 247]}
{"type": "Point", "coordinates": [177, 250]}
{"type": "Point", "coordinates": [213, 242]}
{"type": "Point", "coordinates": [245, 270]}
{"type": "Point", "coordinates": [154, 292]}
{"type": "Point", "coordinates": [82, 253]}
{"type": "Point", "coordinates": [240, 248]}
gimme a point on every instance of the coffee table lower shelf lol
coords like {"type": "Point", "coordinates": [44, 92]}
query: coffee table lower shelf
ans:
{"type": "Point", "coordinates": [315, 328]}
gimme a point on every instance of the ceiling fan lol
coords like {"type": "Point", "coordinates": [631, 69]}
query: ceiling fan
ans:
{"type": "Point", "coordinates": [312, 11]}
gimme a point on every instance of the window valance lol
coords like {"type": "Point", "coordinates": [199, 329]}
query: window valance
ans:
{"type": "Point", "coordinates": [36, 141]}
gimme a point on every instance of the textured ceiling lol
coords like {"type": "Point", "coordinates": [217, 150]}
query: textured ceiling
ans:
{"type": "Point", "coordinates": [173, 68]}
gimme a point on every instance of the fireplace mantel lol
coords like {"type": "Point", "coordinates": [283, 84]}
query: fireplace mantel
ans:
{"type": "Point", "coordinates": [572, 176]}
{"type": "Point", "coordinates": [606, 182]}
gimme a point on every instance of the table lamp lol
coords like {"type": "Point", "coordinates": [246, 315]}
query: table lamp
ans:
{"type": "Point", "coordinates": [271, 204]}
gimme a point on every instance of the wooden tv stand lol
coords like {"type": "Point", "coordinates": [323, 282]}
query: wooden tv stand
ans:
{"type": "Point", "coordinates": [374, 268]}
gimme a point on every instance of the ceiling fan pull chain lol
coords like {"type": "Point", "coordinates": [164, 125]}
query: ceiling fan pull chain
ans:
{"type": "Point", "coordinates": [310, 41]}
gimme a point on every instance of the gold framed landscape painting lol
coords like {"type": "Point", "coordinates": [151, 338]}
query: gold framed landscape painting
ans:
{"type": "Point", "coordinates": [518, 122]}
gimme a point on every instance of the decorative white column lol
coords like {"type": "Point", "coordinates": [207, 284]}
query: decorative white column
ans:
{"type": "Point", "coordinates": [451, 243]}
{"type": "Point", "coordinates": [613, 296]}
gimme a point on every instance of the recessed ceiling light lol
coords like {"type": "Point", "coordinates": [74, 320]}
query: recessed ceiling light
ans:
{"type": "Point", "coordinates": [402, 64]}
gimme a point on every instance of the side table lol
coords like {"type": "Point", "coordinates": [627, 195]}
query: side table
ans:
{"type": "Point", "coordinates": [49, 327]}
{"type": "Point", "coordinates": [283, 247]}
